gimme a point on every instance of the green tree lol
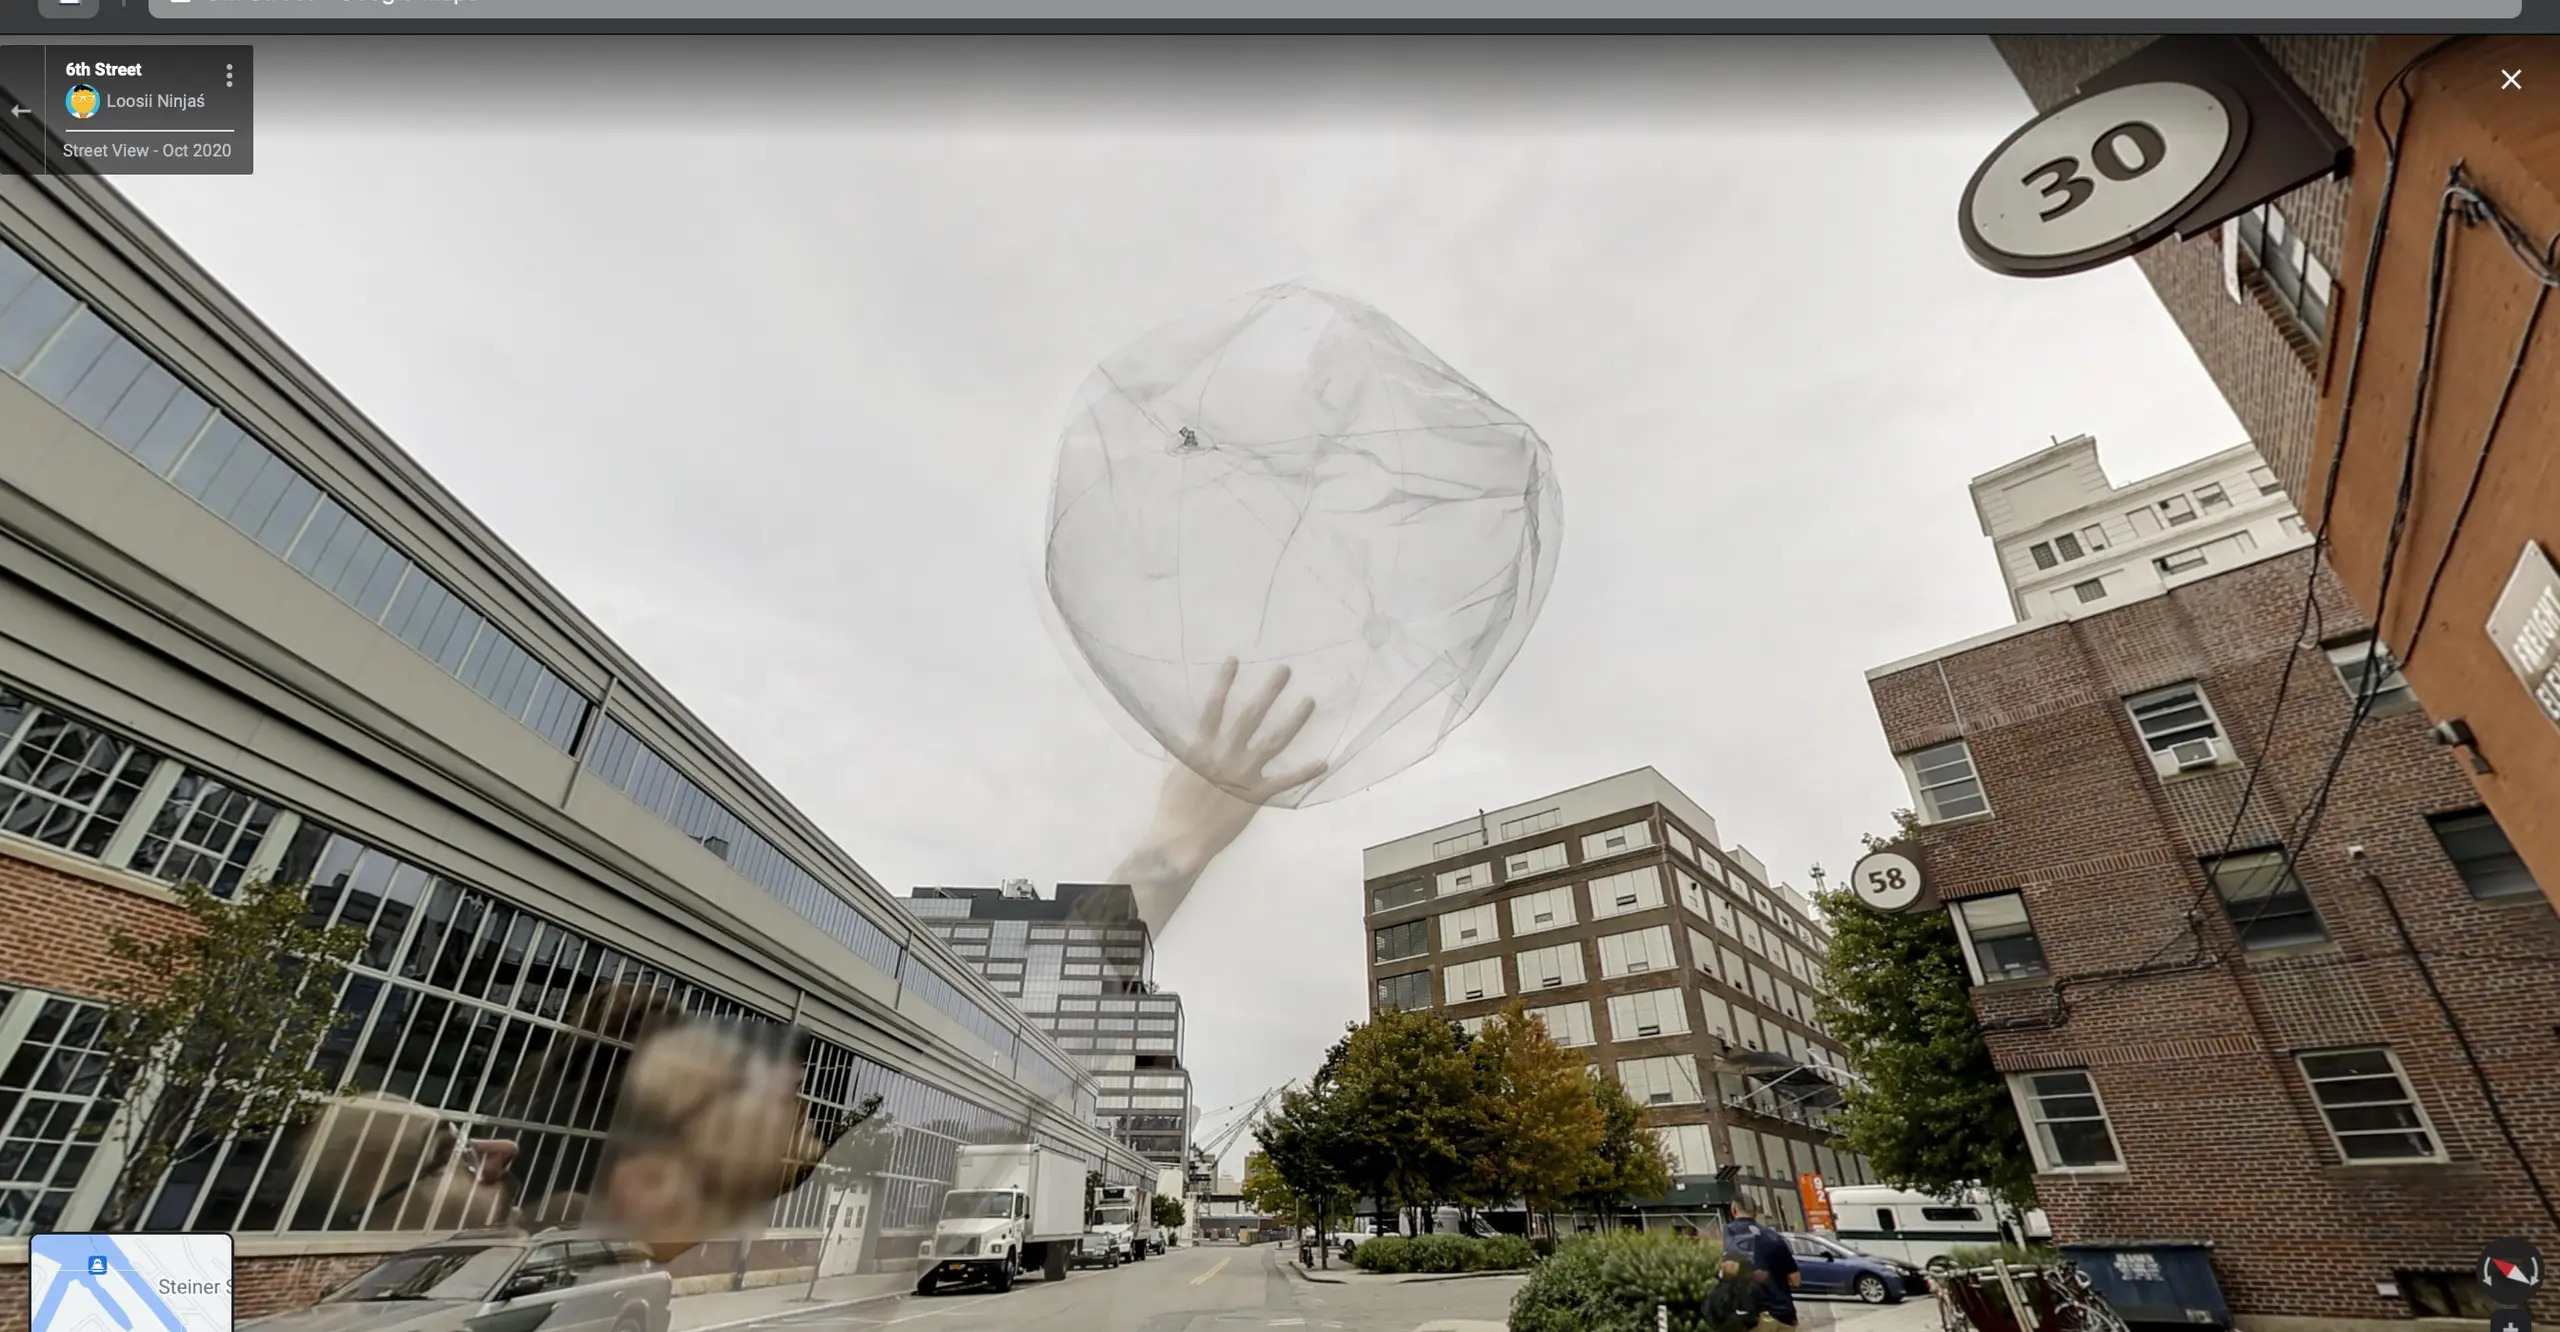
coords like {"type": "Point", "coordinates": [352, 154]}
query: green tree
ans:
{"type": "Point", "coordinates": [1626, 1165]}
{"type": "Point", "coordinates": [210, 1030]}
{"type": "Point", "coordinates": [1167, 1211]}
{"type": "Point", "coordinates": [1536, 1121]}
{"type": "Point", "coordinates": [1263, 1190]}
{"type": "Point", "coordinates": [1929, 1111]}
{"type": "Point", "coordinates": [1405, 1110]}
{"type": "Point", "coordinates": [1302, 1146]}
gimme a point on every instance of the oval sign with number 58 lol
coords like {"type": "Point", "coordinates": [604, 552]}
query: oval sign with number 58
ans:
{"type": "Point", "coordinates": [1886, 881]}
{"type": "Point", "coordinates": [2098, 178]}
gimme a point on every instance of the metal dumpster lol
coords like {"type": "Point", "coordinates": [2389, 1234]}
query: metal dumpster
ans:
{"type": "Point", "coordinates": [2154, 1283]}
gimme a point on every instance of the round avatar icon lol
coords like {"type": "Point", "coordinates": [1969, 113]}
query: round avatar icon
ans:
{"type": "Point", "coordinates": [83, 101]}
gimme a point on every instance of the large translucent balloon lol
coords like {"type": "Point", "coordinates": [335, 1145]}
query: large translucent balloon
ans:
{"type": "Point", "coordinates": [1292, 480]}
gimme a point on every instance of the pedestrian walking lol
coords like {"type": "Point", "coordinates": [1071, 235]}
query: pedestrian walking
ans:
{"type": "Point", "coordinates": [1772, 1264]}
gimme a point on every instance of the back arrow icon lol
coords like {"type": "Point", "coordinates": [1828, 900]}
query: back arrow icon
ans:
{"type": "Point", "coordinates": [17, 110]}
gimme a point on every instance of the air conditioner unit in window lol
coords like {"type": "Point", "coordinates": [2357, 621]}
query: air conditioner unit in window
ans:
{"type": "Point", "coordinates": [2188, 755]}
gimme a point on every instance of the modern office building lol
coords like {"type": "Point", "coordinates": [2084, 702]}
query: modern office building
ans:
{"type": "Point", "coordinates": [2274, 305]}
{"type": "Point", "coordinates": [1675, 966]}
{"type": "Point", "coordinates": [242, 634]}
{"type": "Point", "coordinates": [2238, 992]}
{"type": "Point", "coordinates": [1081, 966]}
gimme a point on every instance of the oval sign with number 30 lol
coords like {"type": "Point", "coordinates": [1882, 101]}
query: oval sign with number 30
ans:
{"type": "Point", "coordinates": [1886, 881]}
{"type": "Point", "coordinates": [2097, 178]}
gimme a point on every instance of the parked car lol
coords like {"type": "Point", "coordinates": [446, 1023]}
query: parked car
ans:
{"type": "Point", "coordinates": [1098, 1249]}
{"type": "Point", "coordinates": [1833, 1268]}
{"type": "Point", "coordinates": [559, 1281]}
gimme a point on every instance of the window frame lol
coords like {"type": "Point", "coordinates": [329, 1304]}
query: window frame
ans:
{"type": "Point", "coordinates": [2023, 1095]}
{"type": "Point", "coordinates": [1422, 931]}
{"type": "Point", "coordinates": [2436, 1154]}
{"type": "Point", "coordinates": [2176, 511]}
{"type": "Point", "coordinates": [2134, 705]}
{"type": "Point", "coordinates": [2437, 824]}
{"type": "Point", "coordinates": [2090, 591]}
{"type": "Point", "coordinates": [2212, 497]}
{"type": "Point", "coordinates": [2393, 694]}
{"type": "Point", "coordinates": [1921, 793]}
{"type": "Point", "coordinates": [1378, 996]}
{"type": "Point", "coordinates": [1961, 918]}
{"type": "Point", "coordinates": [2263, 854]}
{"type": "Point", "coordinates": [2176, 562]}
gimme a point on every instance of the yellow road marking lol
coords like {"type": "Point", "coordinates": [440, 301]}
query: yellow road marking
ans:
{"type": "Point", "coordinates": [1222, 1266]}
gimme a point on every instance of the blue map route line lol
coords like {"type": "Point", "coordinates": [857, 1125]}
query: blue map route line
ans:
{"type": "Point", "coordinates": [74, 1252]}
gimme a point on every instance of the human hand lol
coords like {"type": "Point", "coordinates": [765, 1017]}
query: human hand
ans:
{"type": "Point", "coordinates": [1220, 780]}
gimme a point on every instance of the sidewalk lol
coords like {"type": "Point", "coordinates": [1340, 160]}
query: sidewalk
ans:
{"type": "Point", "coordinates": [1344, 1274]}
{"type": "Point", "coordinates": [731, 1308]}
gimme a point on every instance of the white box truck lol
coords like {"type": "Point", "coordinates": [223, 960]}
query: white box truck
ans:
{"type": "Point", "coordinates": [1011, 1210]}
{"type": "Point", "coordinates": [1122, 1214]}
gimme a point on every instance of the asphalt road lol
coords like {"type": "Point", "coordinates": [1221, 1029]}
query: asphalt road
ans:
{"type": "Point", "coordinates": [1211, 1288]}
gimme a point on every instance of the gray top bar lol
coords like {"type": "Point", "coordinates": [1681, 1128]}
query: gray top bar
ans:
{"type": "Point", "coordinates": [2143, 16]}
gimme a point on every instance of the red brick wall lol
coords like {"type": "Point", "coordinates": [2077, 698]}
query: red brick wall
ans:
{"type": "Point", "coordinates": [54, 927]}
{"type": "Point", "coordinates": [2196, 1064]}
{"type": "Point", "coordinates": [2275, 397]}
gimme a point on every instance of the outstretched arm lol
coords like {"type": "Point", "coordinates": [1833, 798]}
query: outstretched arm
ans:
{"type": "Point", "coordinates": [1218, 783]}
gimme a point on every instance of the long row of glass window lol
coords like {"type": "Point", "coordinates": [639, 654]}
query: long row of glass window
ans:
{"type": "Point", "coordinates": [638, 770]}
{"type": "Point", "coordinates": [453, 991]}
{"type": "Point", "coordinates": [65, 351]}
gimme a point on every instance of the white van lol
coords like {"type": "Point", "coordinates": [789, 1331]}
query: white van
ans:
{"type": "Point", "coordinates": [1917, 1228]}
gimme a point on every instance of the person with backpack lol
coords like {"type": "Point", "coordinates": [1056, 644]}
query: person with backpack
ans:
{"type": "Point", "coordinates": [1764, 1254]}
{"type": "Point", "coordinates": [1734, 1303]}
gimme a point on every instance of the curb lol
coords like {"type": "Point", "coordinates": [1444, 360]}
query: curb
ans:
{"type": "Point", "coordinates": [1304, 1275]}
{"type": "Point", "coordinates": [1466, 1276]}
{"type": "Point", "coordinates": [822, 1306]}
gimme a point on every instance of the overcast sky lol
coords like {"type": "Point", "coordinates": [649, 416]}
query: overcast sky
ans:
{"type": "Point", "coordinates": [760, 353]}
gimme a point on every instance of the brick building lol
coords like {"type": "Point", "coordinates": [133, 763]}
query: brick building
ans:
{"type": "Point", "coordinates": [2336, 1071]}
{"type": "Point", "coordinates": [243, 635]}
{"type": "Point", "coordinates": [1611, 911]}
{"type": "Point", "coordinates": [2271, 305]}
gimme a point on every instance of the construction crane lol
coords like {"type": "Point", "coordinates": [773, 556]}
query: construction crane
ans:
{"type": "Point", "coordinates": [1205, 1158]}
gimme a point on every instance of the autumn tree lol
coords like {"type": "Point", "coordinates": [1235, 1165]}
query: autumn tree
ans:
{"type": "Point", "coordinates": [1929, 1112]}
{"type": "Point", "coordinates": [1537, 1124]}
{"type": "Point", "coordinates": [1627, 1164]}
{"type": "Point", "coordinates": [1406, 1110]}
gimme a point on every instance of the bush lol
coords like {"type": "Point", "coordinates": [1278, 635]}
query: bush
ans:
{"type": "Point", "coordinates": [1983, 1255]}
{"type": "Point", "coordinates": [1442, 1253]}
{"type": "Point", "coordinates": [1614, 1282]}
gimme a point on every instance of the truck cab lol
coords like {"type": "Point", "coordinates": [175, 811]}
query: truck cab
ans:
{"type": "Point", "coordinates": [1011, 1210]}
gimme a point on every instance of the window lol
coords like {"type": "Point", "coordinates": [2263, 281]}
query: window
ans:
{"type": "Point", "coordinates": [2066, 1125]}
{"type": "Point", "coordinates": [1411, 939]}
{"type": "Point", "coordinates": [1689, 1149]}
{"type": "Point", "coordinates": [2145, 522]}
{"type": "Point", "coordinates": [1539, 861]}
{"type": "Point", "coordinates": [1465, 929]}
{"type": "Point", "coordinates": [1636, 951]}
{"type": "Point", "coordinates": [2371, 1113]}
{"type": "Point", "coordinates": [1732, 965]}
{"type": "Point", "coordinates": [2067, 546]}
{"type": "Point", "coordinates": [1664, 1080]}
{"type": "Point", "coordinates": [1950, 1214]}
{"type": "Point", "coordinates": [1412, 990]}
{"type": "Point", "coordinates": [2042, 553]}
{"type": "Point", "coordinates": [2366, 663]}
{"type": "Point", "coordinates": [1545, 909]}
{"type": "Point", "coordinates": [1626, 893]}
{"type": "Point", "coordinates": [1473, 1026]}
{"type": "Point", "coordinates": [1751, 937]}
{"type": "Point", "coordinates": [1944, 778]}
{"type": "Point", "coordinates": [2093, 590]}
{"type": "Point", "coordinates": [2095, 538]}
{"type": "Point", "coordinates": [2174, 716]}
{"type": "Point", "coordinates": [1550, 968]}
{"type": "Point", "coordinates": [1463, 842]}
{"type": "Point", "coordinates": [1726, 919]}
{"type": "Point", "coordinates": [1617, 841]}
{"type": "Point", "coordinates": [1568, 1025]}
{"type": "Point", "coordinates": [2267, 248]}
{"type": "Point", "coordinates": [1465, 880]}
{"type": "Point", "coordinates": [2479, 849]}
{"type": "Point", "coordinates": [205, 833]}
{"type": "Point", "coordinates": [1702, 953]}
{"type": "Point", "coordinates": [1467, 981]}
{"type": "Point", "coordinates": [2177, 510]}
{"type": "Point", "coordinates": [1399, 895]}
{"type": "Point", "coordinates": [1680, 841]}
{"type": "Point", "coordinates": [2211, 497]}
{"type": "Point", "coordinates": [64, 782]}
{"type": "Point", "coordinates": [1716, 1014]}
{"type": "Point", "coordinates": [1533, 823]}
{"type": "Point", "coordinates": [1998, 938]}
{"type": "Point", "coordinates": [1693, 896]}
{"type": "Point", "coordinates": [2181, 561]}
{"type": "Point", "coordinates": [2264, 478]}
{"type": "Point", "coordinates": [1647, 1014]}
{"type": "Point", "coordinates": [2293, 523]}
{"type": "Point", "coordinates": [2267, 905]}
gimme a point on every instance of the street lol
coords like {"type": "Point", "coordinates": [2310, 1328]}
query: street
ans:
{"type": "Point", "coordinates": [1222, 1288]}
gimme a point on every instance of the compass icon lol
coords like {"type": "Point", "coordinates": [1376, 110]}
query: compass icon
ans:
{"type": "Point", "coordinates": [2511, 1269]}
